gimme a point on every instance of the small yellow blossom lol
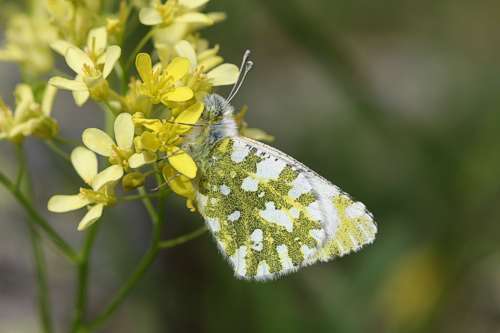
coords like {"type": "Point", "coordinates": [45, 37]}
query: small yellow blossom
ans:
{"type": "Point", "coordinates": [207, 69]}
{"type": "Point", "coordinates": [174, 12]}
{"type": "Point", "coordinates": [29, 117]}
{"type": "Point", "coordinates": [120, 153]}
{"type": "Point", "coordinates": [92, 65]}
{"type": "Point", "coordinates": [180, 185]}
{"type": "Point", "coordinates": [162, 84]}
{"type": "Point", "coordinates": [99, 195]}
{"type": "Point", "coordinates": [27, 43]}
{"type": "Point", "coordinates": [166, 136]}
{"type": "Point", "coordinates": [134, 101]}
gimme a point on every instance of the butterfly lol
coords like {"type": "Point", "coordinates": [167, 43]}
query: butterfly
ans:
{"type": "Point", "coordinates": [269, 214]}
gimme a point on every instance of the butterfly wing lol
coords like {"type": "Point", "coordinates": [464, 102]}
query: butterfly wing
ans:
{"type": "Point", "coordinates": [271, 215]}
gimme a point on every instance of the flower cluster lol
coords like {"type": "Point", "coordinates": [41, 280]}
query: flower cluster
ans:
{"type": "Point", "coordinates": [154, 104]}
{"type": "Point", "coordinates": [29, 117]}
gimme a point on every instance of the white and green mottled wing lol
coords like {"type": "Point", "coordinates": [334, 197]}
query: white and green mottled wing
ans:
{"type": "Point", "coordinates": [271, 215]}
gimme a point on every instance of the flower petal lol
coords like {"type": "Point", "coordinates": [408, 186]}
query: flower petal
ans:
{"type": "Point", "coordinates": [195, 17]}
{"type": "Point", "coordinates": [190, 116]}
{"type": "Point", "coordinates": [73, 85]}
{"type": "Point", "coordinates": [108, 175]}
{"type": "Point", "coordinates": [180, 184]}
{"type": "Point", "coordinates": [172, 33]}
{"type": "Point", "coordinates": [77, 59]}
{"type": "Point", "coordinates": [180, 94]}
{"type": "Point", "coordinates": [98, 141]}
{"type": "Point", "coordinates": [124, 130]}
{"type": "Point", "coordinates": [150, 16]}
{"type": "Point", "coordinates": [81, 97]}
{"type": "Point", "coordinates": [144, 67]}
{"type": "Point", "coordinates": [48, 99]}
{"type": "Point", "coordinates": [182, 162]}
{"type": "Point", "coordinates": [24, 100]}
{"type": "Point", "coordinates": [210, 63]}
{"type": "Point", "coordinates": [91, 217]}
{"type": "Point", "coordinates": [208, 53]}
{"type": "Point", "coordinates": [192, 4]}
{"type": "Point", "coordinates": [223, 75]}
{"type": "Point", "coordinates": [85, 163]}
{"type": "Point", "coordinates": [111, 57]}
{"type": "Point", "coordinates": [148, 141]}
{"type": "Point", "coordinates": [61, 46]}
{"type": "Point", "coordinates": [178, 68]}
{"type": "Point", "coordinates": [97, 39]}
{"type": "Point", "coordinates": [140, 159]}
{"type": "Point", "coordinates": [185, 49]}
{"type": "Point", "coordinates": [217, 17]}
{"type": "Point", "coordinates": [66, 203]}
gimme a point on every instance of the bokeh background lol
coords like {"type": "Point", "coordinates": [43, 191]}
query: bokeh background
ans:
{"type": "Point", "coordinates": [397, 102]}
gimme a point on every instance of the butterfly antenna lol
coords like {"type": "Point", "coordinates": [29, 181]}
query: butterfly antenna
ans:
{"type": "Point", "coordinates": [246, 56]}
{"type": "Point", "coordinates": [246, 67]}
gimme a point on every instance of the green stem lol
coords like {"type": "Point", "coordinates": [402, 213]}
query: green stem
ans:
{"type": "Point", "coordinates": [139, 47]}
{"type": "Point", "coordinates": [183, 239]}
{"type": "Point", "coordinates": [143, 266]}
{"type": "Point", "coordinates": [153, 215]}
{"type": "Point", "coordinates": [109, 121]}
{"type": "Point", "coordinates": [83, 279]}
{"type": "Point", "coordinates": [140, 196]}
{"type": "Point", "coordinates": [58, 151]}
{"type": "Point", "coordinates": [38, 220]}
{"type": "Point", "coordinates": [41, 278]}
{"type": "Point", "coordinates": [21, 157]}
{"type": "Point", "coordinates": [43, 299]}
{"type": "Point", "coordinates": [65, 141]}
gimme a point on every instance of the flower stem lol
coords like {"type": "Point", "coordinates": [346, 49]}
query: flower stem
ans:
{"type": "Point", "coordinates": [41, 278]}
{"type": "Point", "coordinates": [58, 151]}
{"type": "Point", "coordinates": [109, 120]}
{"type": "Point", "coordinates": [139, 47]}
{"type": "Point", "coordinates": [140, 196]}
{"type": "Point", "coordinates": [143, 266]}
{"type": "Point", "coordinates": [83, 279]}
{"type": "Point", "coordinates": [43, 299]}
{"type": "Point", "coordinates": [183, 239]}
{"type": "Point", "coordinates": [21, 157]}
{"type": "Point", "coordinates": [38, 220]}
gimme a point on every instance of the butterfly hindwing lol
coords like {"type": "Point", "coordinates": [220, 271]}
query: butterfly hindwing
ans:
{"type": "Point", "coordinates": [272, 215]}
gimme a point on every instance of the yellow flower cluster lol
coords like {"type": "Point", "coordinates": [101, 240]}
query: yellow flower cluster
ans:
{"type": "Point", "coordinates": [153, 111]}
{"type": "Point", "coordinates": [29, 116]}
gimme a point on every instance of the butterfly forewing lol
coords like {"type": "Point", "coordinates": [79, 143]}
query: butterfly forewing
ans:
{"type": "Point", "coordinates": [271, 215]}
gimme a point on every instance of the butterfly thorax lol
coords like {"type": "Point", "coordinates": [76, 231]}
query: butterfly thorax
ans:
{"type": "Point", "coordinates": [217, 122]}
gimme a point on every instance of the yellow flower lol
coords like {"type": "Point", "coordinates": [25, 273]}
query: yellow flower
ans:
{"type": "Point", "coordinates": [207, 69]}
{"type": "Point", "coordinates": [174, 12]}
{"type": "Point", "coordinates": [27, 43]}
{"type": "Point", "coordinates": [162, 84]}
{"type": "Point", "coordinates": [121, 152]}
{"type": "Point", "coordinates": [134, 101]}
{"type": "Point", "coordinates": [180, 185]}
{"type": "Point", "coordinates": [29, 117]}
{"type": "Point", "coordinates": [92, 65]}
{"type": "Point", "coordinates": [166, 136]}
{"type": "Point", "coordinates": [99, 195]}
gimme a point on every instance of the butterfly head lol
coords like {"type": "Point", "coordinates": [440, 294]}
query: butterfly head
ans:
{"type": "Point", "coordinates": [217, 108]}
{"type": "Point", "coordinates": [217, 118]}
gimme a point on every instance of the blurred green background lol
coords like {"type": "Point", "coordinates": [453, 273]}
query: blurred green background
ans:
{"type": "Point", "coordinates": [397, 102]}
